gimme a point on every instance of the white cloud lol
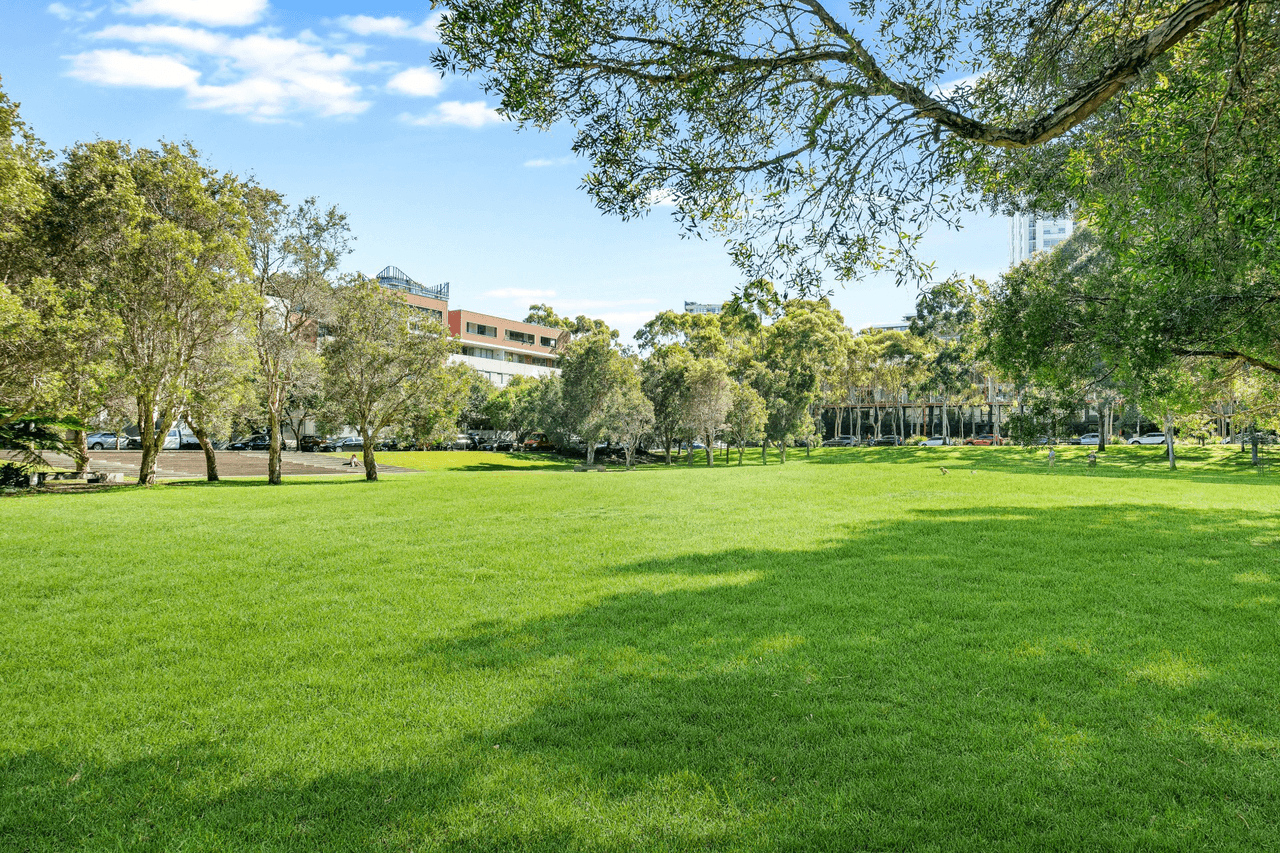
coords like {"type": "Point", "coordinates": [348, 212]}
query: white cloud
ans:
{"type": "Point", "coordinates": [393, 27]}
{"type": "Point", "coordinates": [542, 164]}
{"type": "Point", "coordinates": [582, 304]}
{"type": "Point", "coordinates": [519, 293]}
{"type": "Point", "coordinates": [663, 197]}
{"type": "Point", "coordinates": [213, 13]}
{"type": "Point", "coordinates": [66, 13]}
{"type": "Point", "coordinates": [947, 90]}
{"type": "Point", "coordinates": [263, 76]}
{"type": "Point", "coordinates": [471, 114]}
{"type": "Point", "coordinates": [417, 82]}
{"type": "Point", "coordinates": [122, 68]}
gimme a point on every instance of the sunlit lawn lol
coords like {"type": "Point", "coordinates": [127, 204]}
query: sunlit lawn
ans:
{"type": "Point", "coordinates": [849, 652]}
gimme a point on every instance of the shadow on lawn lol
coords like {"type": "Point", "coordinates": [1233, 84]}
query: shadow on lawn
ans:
{"type": "Point", "coordinates": [1080, 678]}
{"type": "Point", "coordinates": [1195, 463]}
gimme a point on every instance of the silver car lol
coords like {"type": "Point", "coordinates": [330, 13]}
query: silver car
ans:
{"type": "Point", "coordinates": [1148, 438]}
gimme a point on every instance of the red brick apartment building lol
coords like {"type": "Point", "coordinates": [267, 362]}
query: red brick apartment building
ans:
{"type": "Point", "coordinates": [497, 347]}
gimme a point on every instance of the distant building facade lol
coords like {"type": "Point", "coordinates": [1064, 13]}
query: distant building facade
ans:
{"type": "Point", "coordinates": [499, 348]}
{"type": "Point", "coordinates": [701, 308]}
{"type": "Point", "coordinates": [1029, 234]}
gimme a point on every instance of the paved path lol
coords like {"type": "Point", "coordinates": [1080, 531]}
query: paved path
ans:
{"type": "Point", "coordinates": [189, 464]}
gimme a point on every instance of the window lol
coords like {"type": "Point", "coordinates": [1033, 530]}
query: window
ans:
{"type": "Point", "coordinates": [431, 312]}
{"type": "Point", "coordinates": [479, 352]}
{"type": "Point", "coordinates": [481, 329]}
{"type": "Point", "coordinates": [549, 342]}
{"type": "Point", "coordinates": [519, 337]}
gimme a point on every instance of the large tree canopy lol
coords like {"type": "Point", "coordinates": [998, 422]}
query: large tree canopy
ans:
{"type": "Point", "coordinates": [813, 137]}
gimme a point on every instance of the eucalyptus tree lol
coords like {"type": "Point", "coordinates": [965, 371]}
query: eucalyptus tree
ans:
{"type": "Point", "coordinates": [664, 380]}
{"type": "Point", "coordinates": [295, 252]}
{"type": "Point", "coordinates": [383, 357]}
{"type": "Point", "coordinates": [745, 420]}
{"type": "Point", "coordinates": [588, 369]}
{"type": "Point", "coordinates": [629, 413]}
{"type": "Point", "coordinates": [165, 236]}
{"type": "Point", "coordinates": [706, 400]}
{"type": "Point", "coordinates": [812, 135]}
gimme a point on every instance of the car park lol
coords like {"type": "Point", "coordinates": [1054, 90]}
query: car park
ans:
{"type": "Point", "coordinates": [985, 439]}
{"type": "Point", "coordinates": [841, 441]}
{"type": "Point", "coordinates": [935, 441]}
{"type": "Point", "coordinates": [1148, 438]}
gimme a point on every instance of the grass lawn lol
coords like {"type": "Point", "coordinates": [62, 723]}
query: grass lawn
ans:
{"type": "Point", "coordinates": [849, 652]}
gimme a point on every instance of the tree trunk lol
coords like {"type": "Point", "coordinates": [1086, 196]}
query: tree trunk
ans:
{"type": "Point", "coordinates": [210, 458]}
{"type": "Point", "coordinates": [740, 446]}
{"type": "Point", "coordinates": [710, 452]}
{"type": "Point", "coordinates": [79, 439]}
{"type": "Point", "coordinates": [764, 452]}
{"type": "Point", "coordinates": [152, 439]}
{"type": "Point", "coordinates": [1103, 427]}
{"type": "Point", "coordinates": [668, 449]}
{"type": "Point", "coordinates": [273, 450]}
{"type": "Point", "coordinates": [1255, 447]}
{"type": "Point", "coordinates": [859, 433]}
{"type": "Point", "coordinates": [1168, 441]}
{"type": "Point", "coordinates": [591, 452]}
{"type": "Point", "coordinates": [370, 464]}
{"type": "Point", "coordinates": [946, 427]}
{"type": "Point", "coordinates": [782, 449]}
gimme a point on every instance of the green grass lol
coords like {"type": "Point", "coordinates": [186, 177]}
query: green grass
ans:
{"type": "Point", "coordinates": [850, 653]}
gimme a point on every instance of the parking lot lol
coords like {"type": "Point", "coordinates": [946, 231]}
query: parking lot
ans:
{"type": "Point", "coordinates": [189, 464]}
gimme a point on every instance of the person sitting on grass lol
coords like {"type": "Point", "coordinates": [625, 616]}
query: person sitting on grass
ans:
{"type": "Point", "coordinates": [352, 463]}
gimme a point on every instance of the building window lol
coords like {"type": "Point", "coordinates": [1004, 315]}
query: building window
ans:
{"type": "Point", "coordinates": [481, 329]}
{"type": "Point", "coordinates": [479, 352]}
{"type": "Point", "coordinates": [550, 343]}
{"type": "Point", "coordinates": [519, 337]}
{"type": "Point", "coordinates": [430, 312]}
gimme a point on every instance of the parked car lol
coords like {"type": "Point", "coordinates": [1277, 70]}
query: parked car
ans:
{"type": "Point", "coordinates": [1148, 438]}
{"type": "Point", "coordinates": [985, 439]}
{"type": "Point", "coordinates": [1092, 438]}
{"type": "Point", "coordinates": [841, 441]}
{"type": "Point", "coordinates": [259, 441]}
{"type": "Point", "coordinates": [179, 438]}
{"type": "Point", "coordinates": [887, 441]}
{"type": "Point", "coordinates": [349, 444]}
{"type": "Point", "coordinates": [107, 441]}
{"type": "Point", "coordinates": [538, 441]}
{"type": "Point", "coordinates": [464, 441]}
{"type": "Point", "coordinates": [310, 443]}
{"type": "Point", "coordinates": [935, 441]}
{"type": "Point", "coordinates": [1045, 439]}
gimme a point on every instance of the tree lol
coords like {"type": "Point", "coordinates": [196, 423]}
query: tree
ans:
{"type": "Point", "coordinates": [220, 387]}
{"type": "Point", "coordinates": [588, 368]}
{"type": "Point", "coordinates": [791, 126]}
{"type": "Point", "coordinates": [545, 315]}
{"type": "Point", "coordinates": [628, 411]}
{"type": "Point", "coordinates": [706, 401]}
{"type": "Point", "coordinates": [383, 356]}
{"type": "Point", "coordinates": [295, 254]}
{"type": "Point", "coordinates": [745, 419]}
{"type": "Point", "coordinates": [664, 381]}
{"type": "Point", "coordinates": [432, 416]}
{"type": "Point", "coordinates": [513, 407]}
{"type": "Point", "coordinates": [166, 236]}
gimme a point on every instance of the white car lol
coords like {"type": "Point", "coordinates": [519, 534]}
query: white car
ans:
{"type": "Point", "coordinates": [1148, 438]}
{"type": "Point", "coordinates": [1090, 438]}
{"type": "Point", "coordinates": [935, 441]}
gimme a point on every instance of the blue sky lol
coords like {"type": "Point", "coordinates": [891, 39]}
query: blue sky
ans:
{"type": "Point", "coordinates": [337, 100]}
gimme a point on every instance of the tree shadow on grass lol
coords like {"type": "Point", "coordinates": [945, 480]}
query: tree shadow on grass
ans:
{"type": "Point", "coordinates": [1195, 463]}
{"type": "Point", "coordinates": [1012, 679]}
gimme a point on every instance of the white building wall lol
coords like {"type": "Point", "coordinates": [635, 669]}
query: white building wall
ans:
{"type": "Point", "coordinates": [1030, 234]}
{"type": "Point", "coordinates": [501, 372]}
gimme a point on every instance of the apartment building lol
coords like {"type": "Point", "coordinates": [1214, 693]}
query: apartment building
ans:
{"type": "Point", "coordinates": [502, 348]}
{"type": "Point", "coordinates": [495, 346]}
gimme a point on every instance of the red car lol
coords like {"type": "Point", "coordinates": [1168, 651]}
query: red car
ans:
{"type": "Point", "coordinates": [538, 441]}
{"type": "Point", "coordinates": [985, 440]}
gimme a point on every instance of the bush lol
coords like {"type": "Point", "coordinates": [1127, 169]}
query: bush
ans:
{"type": "Point", "coordinates": [13, 475]}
